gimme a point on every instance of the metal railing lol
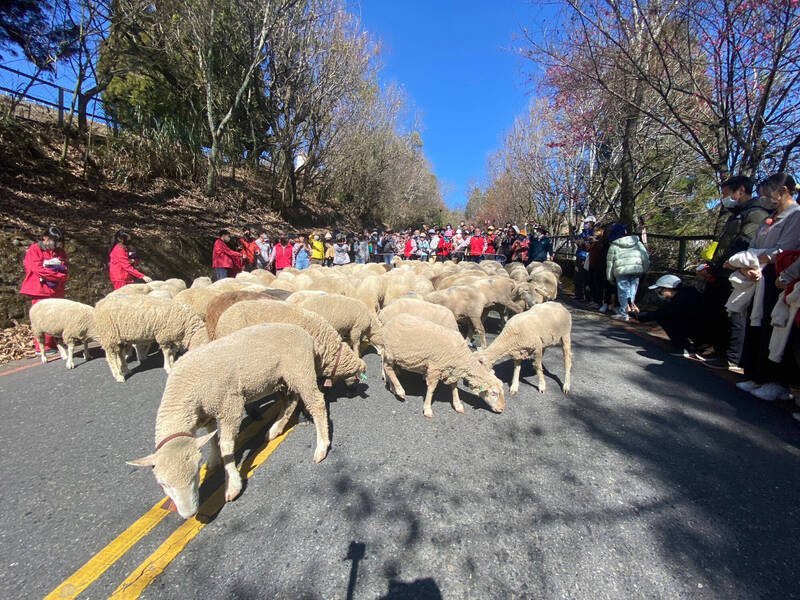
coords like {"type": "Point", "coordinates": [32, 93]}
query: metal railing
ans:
{"type": "Point", "coordinates": [48, 96]}
{"type": "Point", "coordinates": [667, 252]}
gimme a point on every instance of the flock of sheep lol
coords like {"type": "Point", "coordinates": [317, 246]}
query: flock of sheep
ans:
{"type": "Point", "coordinates": [258, 334]}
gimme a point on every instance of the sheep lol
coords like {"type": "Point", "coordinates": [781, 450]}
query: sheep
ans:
{"type": "Point", "coordinates": [553, 267]}
{"type": "Point", "coordinates": [301, 296]}
{"type": "Point", "coordinates": [228, 285]}
{"type": "Point", "coordinates": [197, 298]}
{"type": "Point", "coordinates": [371, 292]}
{"type": "Point", "coordinates": [132, 288]}
{"type": "Point", "coordinates": [348, 316]}
{"type": "Point", "coordinates": [215, 383]}
{"type": "Point", "coordinates": [283, 284]}
{"type": "Point", "coordinates": [527, 294]}
{"type": "Point", "coordinates": [124, 320]}
{"type": "Point", "coordinates": [177, 284]}
{"type": "Point", "coordinates": [335, 359]}
{"type": "Point", "coordinates": [447, 358]}
{"type": "Point", "coordinates": [162, 292]}
{"type": "Point", "coordinates": [262, 276]}
{"type": "Point", "coordinates": [224, 300]}
{"type": "Point", "coordinates": [200, 282]}
{"type": "Point", "coordinates": [73, 322]}
{"type": "Point", "coordinates": [533, 265]}
{"type": "Point", "coordinates": [546, 283]}
{"type": "Point", "coordinates": [435, 313]}
{"type": "Point", "coordinates": [467, 304]}
{"type": "Point", "coordinates": [528, 334]}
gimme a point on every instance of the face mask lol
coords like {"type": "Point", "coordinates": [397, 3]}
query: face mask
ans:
{"type": "Point", "coordinates": [49, 245]}
{"type": "Point", "coordinates": [316, 238]}
{"type": "Point", "coordinates": [729, 202]}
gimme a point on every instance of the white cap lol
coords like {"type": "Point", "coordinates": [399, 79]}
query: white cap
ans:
{"type": "Point", "coordinates": [666, 281]}
{"type": "Point", "coordinates": [590, 219]}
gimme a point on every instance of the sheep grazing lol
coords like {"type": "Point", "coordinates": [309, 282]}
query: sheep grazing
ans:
{"type": "Point", "coordinates": [225, 300]}
{"type": "Point", "coordinates": [527, 335]}
{"type": "Point", "coordinates": [546, 283]}
{"type": "Point", "coordinates": [215, 383]}
{"type": "Point", "coordinates": [335, 359]}
{"type": "Point", "coordinates": [70, 321]}
{"type": "Point", "coordinates": [348, 316]}
{"type": "Point", "coordinates": [435, 313]}
{"type": "Point", "coordinates": [121, 321]}
{"type": "Point", "coordinates": [468, 305]}
{"type": "Point", "coordinates": [447, 359]}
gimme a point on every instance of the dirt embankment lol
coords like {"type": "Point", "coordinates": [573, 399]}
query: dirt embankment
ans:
{"type": "Point", "coordinates": [174, 224]}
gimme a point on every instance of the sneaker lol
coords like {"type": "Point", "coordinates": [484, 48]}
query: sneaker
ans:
{"type": "Point", "coordinates": [603, 308]}
{"type": "Point", "coordinates": [770, 392]}
{"type": "Point", "coordinates": [796, 416]}
{"type": "Point", "coordinates": [620, 317]}
{"type": "Point", "coordinates": [748, 386]}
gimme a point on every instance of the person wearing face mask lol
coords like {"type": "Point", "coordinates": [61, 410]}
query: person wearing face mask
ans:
{"type": "Point", "coordinates": [223, 259]}
{"type": "Point", "coordinates": [540, 247]}
{"type": "Point", "coordinates": [46, 272]}
{"type": "Point", "coordinates": [317, 249]}
{"type": "Point", "coordinates": [745, 215]}
{"type": "Point", "coordinates": [122, 261]}
{"type": "Point", "coordinates": [766, 379]}
{"type": "Point", "coordinates": [680, 314]}
{"type": "Point", "coordinates": [264, 250]}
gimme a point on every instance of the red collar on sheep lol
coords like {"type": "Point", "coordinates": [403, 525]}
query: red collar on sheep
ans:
{"type": "Point", "coordinates": [172, 437]}
{"type": "Point", "coordinates": [329, 380]}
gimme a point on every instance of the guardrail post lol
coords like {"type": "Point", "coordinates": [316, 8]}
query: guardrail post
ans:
{"type": "Point", "coordinates": [60, 107]}
{"type": "Point", "coordinates": [682, 255]}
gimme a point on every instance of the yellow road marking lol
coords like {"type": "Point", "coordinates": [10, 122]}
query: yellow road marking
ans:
{"type": "Point", "coordinates": [119, 546]}
{"type": "Point", "coordinates": [155, 564]}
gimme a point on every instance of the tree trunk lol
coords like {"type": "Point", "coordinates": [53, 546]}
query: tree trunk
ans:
{"type": "Point", "coordinates": [211, 179]}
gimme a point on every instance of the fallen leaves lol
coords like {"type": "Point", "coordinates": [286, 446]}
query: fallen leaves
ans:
{"type": "Point", "coordinates": [16, 343]}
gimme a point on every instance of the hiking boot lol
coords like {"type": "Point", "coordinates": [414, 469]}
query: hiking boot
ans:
{"type": "Point", "coordinates": [619, 317]}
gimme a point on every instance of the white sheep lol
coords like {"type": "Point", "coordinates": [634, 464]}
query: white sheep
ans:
{"type": "Point", "coordinates": [215, 383]}
{"type": "Point", "coordinates": [335, 359]}
{"type": "Point", "coordinates": [527, 335]}
{"type": "Point", "coordinates": [435, 313]}
{"type": "Point", "coordinates": [121, 321]}
{"type": "Point", "coordinates": [200, 282]}
{"type": "Point", "coordinates": [70, 321]}
{"type": "Point", "coordinates": [348, 316]}
{"type": "Point", "coordinates": [468, 305]}
{"type": "Point", "coordinates": [197, 299]}
{"type": "Point", "coordinates": [445, 358]}
{"type": "Point", "coordinates": [301, 296]}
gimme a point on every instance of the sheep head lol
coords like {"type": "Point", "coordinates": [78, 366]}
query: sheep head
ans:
{"type": "Point", "coordinates": [485, 383]}
{"type": "Point", "coordinates": [176, 467]}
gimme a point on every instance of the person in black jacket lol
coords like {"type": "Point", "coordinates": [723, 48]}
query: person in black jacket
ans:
{"type": "Point", "coordinates": [681, 314]}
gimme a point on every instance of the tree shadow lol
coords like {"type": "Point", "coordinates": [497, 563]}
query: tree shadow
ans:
{"type": "Point", "coordinates": [421, 589]}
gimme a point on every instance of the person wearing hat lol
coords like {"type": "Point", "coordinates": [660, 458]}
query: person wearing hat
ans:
{"type": "Point", "coordinates": [582, 243]}
{"type": "Point", "coordinates": [433, 243]}
{"type": "Point", "coordinates": [329, 252]}
{"type": "Point", "coordinates": [681, 314]}
{"type": "Point", "coordinates": [540, 248]}
{"type": "Point", "coordinates": [423, 247]}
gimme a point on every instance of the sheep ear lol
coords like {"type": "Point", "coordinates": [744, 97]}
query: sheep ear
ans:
{"type": "Point", "coordinates": [203, 439]}
{"type": "Point", "coordinates": [145, 461]}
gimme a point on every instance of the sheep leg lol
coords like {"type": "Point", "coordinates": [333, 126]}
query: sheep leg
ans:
{"type": "Point", "coordinates": [537, 364]}
{"type": "Point", "coordinates": [70, 351]}
{"type": "Point", "coordinates": [396, 387]}
{"type": "Point", "coordinates": [457, 405]}
{"type": "Point", "coordinates": [515, 378]}
{"type": "Point", "coordinates": [214, 454]}
{"type": "Point", "coordinates": [432, 381]}
{"type": "Point", "coordinates": [314, 401]}
{"type": "Point", "coordinates": [122, 363]}
{"type": "Point", "coordinates": [165, 350]}
{"type": "Point", "coordinates": [86, 355]}
{"type": "Point", "coordinates": [287, 407]}
{"type": "Point", "coordinates": [62, 351]}
{"type": "Point", "coordinates": [227, 435]}
{"type": "Point", "coordinates": [40, 340]}
{"type": "Point", "coordinates": [477, 327]}
{"type": "Point", "coordinates": [116, 360]}
{"type": "Point", "coordinates": [566, 346]}
{"type": "Point", "coordinates": [141, 351]}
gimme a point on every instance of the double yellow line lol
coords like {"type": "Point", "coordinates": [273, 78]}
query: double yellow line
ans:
{"type": "Point", "coordinates": [155, 564]}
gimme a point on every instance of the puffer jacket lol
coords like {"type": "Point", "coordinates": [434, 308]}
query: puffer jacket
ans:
{"type": "Point", "coordinates": [626, 256]}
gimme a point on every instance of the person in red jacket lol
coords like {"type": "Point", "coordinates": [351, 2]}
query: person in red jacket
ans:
{"type": "Point", "coordinates": [282, 254]}
{"type": "Point", "coordinates": [249, 249]}
{"type": "Point", "coordinates": [122, 260]}
{"type": "Point", "coordinates": [477, 245]}
{"type": "Point", "coordinates": [223, 259]}
{"type": "Point", "coordinates": [46, 272]}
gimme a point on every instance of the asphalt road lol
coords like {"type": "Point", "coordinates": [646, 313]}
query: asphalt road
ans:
{"type": "Point", "coordinates": [653, 479]}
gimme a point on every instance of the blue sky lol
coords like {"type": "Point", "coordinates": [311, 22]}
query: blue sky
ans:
{"type": "Point", "coordinates": [455, 61]}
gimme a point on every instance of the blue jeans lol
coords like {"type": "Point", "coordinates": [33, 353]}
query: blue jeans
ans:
{"type": "Point", "coordinates": [387, 258]}
{"type": "Point", "coordinates": [221, 273]}
{"type": "Point", "coordinates": [626, 289]}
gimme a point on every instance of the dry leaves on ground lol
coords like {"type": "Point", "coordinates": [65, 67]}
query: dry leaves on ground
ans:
{"type": "Point", "coordinates": [16, 343]}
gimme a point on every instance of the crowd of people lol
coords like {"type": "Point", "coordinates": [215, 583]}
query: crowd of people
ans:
{"type": "Point", "coordinates": [742, 304]}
